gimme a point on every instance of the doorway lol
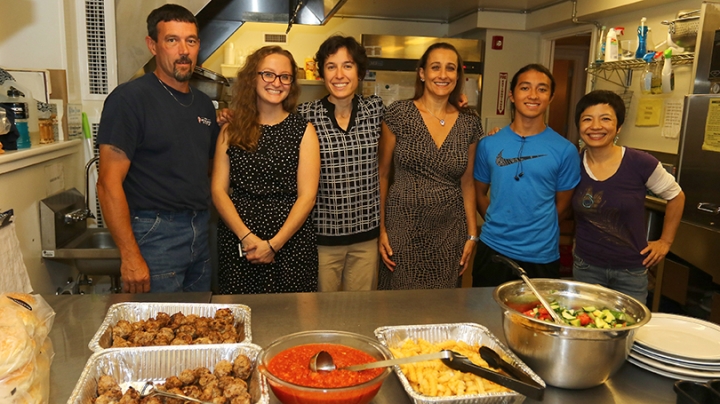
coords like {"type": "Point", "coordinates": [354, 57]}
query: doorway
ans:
{"type": "Point", "coordinates": [570, 59]}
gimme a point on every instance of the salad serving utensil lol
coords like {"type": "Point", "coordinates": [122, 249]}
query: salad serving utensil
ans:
{"type": "Point", "coordinates": [523, 275]}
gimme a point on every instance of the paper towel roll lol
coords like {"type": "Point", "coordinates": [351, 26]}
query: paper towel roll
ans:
{"type": "Point", "coordinates": [13, 273]}
{"type": "Point", "coordinates": [229, 53]}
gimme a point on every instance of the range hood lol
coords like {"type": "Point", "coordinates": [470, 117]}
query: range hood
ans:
{"type": "Point", "coordinates": [218, 20]}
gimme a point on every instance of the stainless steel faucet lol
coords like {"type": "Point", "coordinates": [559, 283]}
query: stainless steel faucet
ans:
{"type": "Point", "coordinates": [78, 215]}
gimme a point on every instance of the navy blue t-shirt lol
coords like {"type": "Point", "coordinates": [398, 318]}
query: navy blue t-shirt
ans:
{"type": "Point", "coordinates": [169, 138]}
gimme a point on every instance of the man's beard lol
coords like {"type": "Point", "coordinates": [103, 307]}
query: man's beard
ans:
{"type": "Point", "coordinates": [179, 76]}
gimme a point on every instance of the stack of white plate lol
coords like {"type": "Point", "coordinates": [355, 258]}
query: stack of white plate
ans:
{"type": "Point", "coordinates": [678, 347]}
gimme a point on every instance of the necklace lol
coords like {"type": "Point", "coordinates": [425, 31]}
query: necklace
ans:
{"type": "Point", "coordinates": [173, 95]}
{"type": "Point", "coordinates": [442, 121]}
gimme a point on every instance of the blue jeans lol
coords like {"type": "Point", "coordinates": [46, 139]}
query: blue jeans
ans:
{"type": "Point", "coordinates": [175, 248]}
{"type": "Point", "coordinates": [632, 281]}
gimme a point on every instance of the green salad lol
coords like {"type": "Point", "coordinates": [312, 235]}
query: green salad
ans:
{"type": "Point", "coordinates": [586, 316]}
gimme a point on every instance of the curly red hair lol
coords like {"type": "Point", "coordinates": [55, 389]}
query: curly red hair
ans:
{"type": "Point", "coordinates": [243, 129]}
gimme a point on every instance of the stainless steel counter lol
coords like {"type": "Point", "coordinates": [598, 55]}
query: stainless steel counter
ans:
{"type": "Point", "coordinates": [78, 317]}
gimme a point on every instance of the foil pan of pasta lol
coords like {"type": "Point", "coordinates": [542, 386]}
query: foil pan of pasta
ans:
{"type": "Point", "coordinates": [432, 382]}
{"type": "Point", "coordinates": [135, 325]}
{"type": "Point", "coordinates": [211, 373]}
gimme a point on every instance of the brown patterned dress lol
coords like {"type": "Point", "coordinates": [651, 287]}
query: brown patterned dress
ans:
{"type": "Point", "coordinates": [424, 211]}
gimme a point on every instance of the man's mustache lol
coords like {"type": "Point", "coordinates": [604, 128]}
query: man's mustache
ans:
{"type": "Point", "coordinates": [183, 59]}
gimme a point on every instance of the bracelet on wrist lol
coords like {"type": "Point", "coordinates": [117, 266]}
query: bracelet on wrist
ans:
{"type": "Point", "coordinates": [245, 236]}
{"type": "Point", "coordinates": [473, 238]}
{"type": "Point", "coordinates": [271, 247]}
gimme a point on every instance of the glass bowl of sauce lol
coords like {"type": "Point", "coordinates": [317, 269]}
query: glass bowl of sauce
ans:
{"type": "Point", "coordinates": [285, 365]}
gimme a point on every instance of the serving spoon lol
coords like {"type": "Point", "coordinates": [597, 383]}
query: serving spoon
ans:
{"type": "Point", "coordinates": [323, 361]}
{"type": "Point", "coordinates": [523, 275]}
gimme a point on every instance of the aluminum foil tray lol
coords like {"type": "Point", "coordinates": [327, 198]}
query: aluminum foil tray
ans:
{"type": "Point", "coordinates": [136, 366]}
{"type": "Point", "coordinates": [467, 332]}
{"type": "Point", "coordinates": [143, 311]}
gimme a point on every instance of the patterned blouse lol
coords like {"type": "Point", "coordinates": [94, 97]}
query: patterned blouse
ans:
{"type": "Point", "coordinates": [347, 210]}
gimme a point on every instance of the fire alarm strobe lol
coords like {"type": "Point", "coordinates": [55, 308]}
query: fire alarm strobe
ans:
{"type": "Point", "coordinates": [497, 42]}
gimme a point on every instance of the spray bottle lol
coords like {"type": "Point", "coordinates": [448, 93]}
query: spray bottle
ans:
{"type": "Point", "coordinates": [668, 75]}
{"type": "Point", "coordinates": [642, 39]}
{"type": "Point", "coordinates": [646, 77]}
{"type": "Point", "coordinates": [611, 46]}
{"type": "Point", "coordinates": [600, 52]}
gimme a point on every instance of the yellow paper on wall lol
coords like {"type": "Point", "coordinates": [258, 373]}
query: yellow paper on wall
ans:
{"type": "Point", "coordinates": [711, 140]}
{"type": "Point", "coordinates": [649, 111]}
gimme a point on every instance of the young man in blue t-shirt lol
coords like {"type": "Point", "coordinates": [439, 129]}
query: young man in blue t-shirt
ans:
{"type": "Point", "coordinates": [533, 171]}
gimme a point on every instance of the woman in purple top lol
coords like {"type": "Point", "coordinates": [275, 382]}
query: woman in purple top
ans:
{"type": "Point", "coordinates": [609, 203]}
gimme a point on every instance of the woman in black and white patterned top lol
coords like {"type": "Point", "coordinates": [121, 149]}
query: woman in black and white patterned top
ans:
{"type": "Point", "coordinates": [428, 224]}
{"type": "Point", "coordinates": [346, 215]}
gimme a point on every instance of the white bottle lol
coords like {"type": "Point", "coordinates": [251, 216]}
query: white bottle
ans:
{"type": "Point", "coordinates": [668, 76]}
{"type": "Point", "coordinates": [611, 46]}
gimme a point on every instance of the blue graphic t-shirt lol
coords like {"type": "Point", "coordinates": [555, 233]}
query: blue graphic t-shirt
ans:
{"type": "Point", "coordinates": [524, 174]}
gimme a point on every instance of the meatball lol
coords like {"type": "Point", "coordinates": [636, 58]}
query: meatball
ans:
{"type": "Point", "coordinates": [173, 382]}
{"type": "Point", "coordinates": [205, 379]}
{"type": "Point", "coordinates": [176, 320]}
{"type": "Point", "coordinates": [192, 391]}
{"type": "Point", "coordinates": [152, 325]}
{"type": "Point", "coordinates": [131, 396]}
{"type": "Point", "coordinates": [107, 384]}
{"type": "Point", "coordinates": [187, 377]}
{"type": "Point", "coordinates": [242, 367]}
{"type": "Point", "coordinates": [241, 399]}
{"type": "Point", "coordinates": [234, 389]}
{"type": "Point", "coordinates": [151, 400]}
{"type": "Point", "coordinates": [224, 381]}
{"type": "Point", "coordinates": [163, 318]}
{"type": "Point", "coordinates": [223, 368]}
{"type": "Point", "coordinates": [122, 329]}
{"type": "Point", "coordinates": [202, 341]}
{"type": "Point", "coordinates": [142, 338]}
{"type": "Point", "coordinates": [187, 329]}
{"type": "Point", "coordinates": [105, 400]}
{"type": "Point", "coordinates": [225, 315]}
{"type": "Point", "coordinates": [219, 400]}
{"type": "Point", "coordinates": [181, 339]}
{"type": "Point", "coordinates": [174, 400]}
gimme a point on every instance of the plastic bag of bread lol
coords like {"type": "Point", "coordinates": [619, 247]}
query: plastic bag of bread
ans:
{"type": "Point", "coordinates": [25, 349]}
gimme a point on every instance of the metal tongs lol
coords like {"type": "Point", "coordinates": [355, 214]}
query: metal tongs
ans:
{"type": "Point", "coordinates": [150, 390]}
{"type": "Point", "coordinates": [521, 382]}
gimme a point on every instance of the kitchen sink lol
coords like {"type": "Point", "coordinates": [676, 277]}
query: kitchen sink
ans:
{"type": "Point", "coordinates": [93, 252]}
{"type": "Point", "coordinates": [97, 239]}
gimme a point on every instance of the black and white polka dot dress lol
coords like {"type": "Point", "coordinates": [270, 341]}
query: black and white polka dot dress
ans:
{"type": "Point", "coordinates": [424, 211]}
{"type": "Point", "coordinates": [264, 186]}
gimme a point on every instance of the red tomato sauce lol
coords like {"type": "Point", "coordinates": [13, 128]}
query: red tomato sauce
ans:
{"type": "Point", "coordinates": [291, 365]}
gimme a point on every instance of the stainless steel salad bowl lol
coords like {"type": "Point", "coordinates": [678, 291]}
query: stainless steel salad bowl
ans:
{"type": "Point", "coordinates": [564, 355]}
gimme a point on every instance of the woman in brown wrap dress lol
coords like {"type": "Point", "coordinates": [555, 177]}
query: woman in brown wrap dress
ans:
{"type": "Point", "coordinates": [428, 226]}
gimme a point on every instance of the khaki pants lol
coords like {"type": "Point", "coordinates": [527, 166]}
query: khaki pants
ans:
{"type": "Point", "coordinates": [348, 267]}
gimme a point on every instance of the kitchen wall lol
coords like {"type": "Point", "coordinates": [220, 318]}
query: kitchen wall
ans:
{"type": "Point", "coordinates": [650, 138]}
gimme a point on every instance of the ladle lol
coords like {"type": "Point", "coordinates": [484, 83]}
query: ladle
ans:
{"type": "Point", "coordinates": [323, 361]}
{"type": "Point", "coordinates": [523, 275]}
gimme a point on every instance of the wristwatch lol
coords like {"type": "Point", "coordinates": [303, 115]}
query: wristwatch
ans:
{"type": "Point", "coordinates": [473, 238]}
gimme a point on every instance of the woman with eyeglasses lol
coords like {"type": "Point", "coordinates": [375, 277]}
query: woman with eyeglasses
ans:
{"type": "Point", "coordinates": [524, 179]}
{"type": "Point", "coordinates": [611, 248]}
{"type": "Point", "coordinates": [264, 183]}
{"type": "Point", "coordinates": [427, 224]}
